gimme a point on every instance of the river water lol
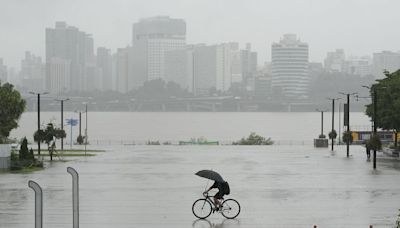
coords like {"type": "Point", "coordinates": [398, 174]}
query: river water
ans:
{"type": "Point", "coordinates": [140, 186]}
{"type": "Point", "coordinates": [129, 127]}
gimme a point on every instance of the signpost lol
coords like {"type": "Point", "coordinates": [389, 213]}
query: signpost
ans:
{"type": "Point", "coordinates": [71, 122]}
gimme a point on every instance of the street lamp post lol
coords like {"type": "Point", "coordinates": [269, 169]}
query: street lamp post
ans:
{"type": "Point", "coordinates": [38, 109]}
{"type": "Point", "coordinates": [333, 118]}
{"type": "Point", "coordinates": [322, 120]}
{"type": "Point", "coordinates": [62, 119]}
{"type": "Point", "coordinates": [375, 116]}
{"type": "Point", "coordinates": [348, 120]}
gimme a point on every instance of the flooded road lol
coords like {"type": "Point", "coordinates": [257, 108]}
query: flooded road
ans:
{"type": "Point", "coordinates": [155, 186]}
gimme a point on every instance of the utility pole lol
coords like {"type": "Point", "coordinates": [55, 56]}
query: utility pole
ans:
{"type": "Point", "coordinates": [375, 122]}
{"type": "Point", "coordinates": [38, 117]}
{"type": "Point", "coordinates": [62, 119]}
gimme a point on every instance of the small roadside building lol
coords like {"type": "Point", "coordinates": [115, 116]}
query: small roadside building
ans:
{"type": "Point", "coordinates": [5, 156]}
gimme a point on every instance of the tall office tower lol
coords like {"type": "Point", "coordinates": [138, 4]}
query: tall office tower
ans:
{"type": "Point", "coordinates": [104, 63]}
{"type": "Point", "coordinates": [122, 69]}
{"type": "Point", "coordinates": [290, 76]}
{"type": "Point", "coordinates": [151, 38]}
{"type": "Point", "coordinates": [179, 67]}
{"type": "Point", "coordinates": [334, 61]}
{"type": "Point", "coordinates": [75, 48]}
{"type": "Point", "coordinates": [32, 72]}
{"type": "Point", "coordinates": [385, 60]}
{"type": "Point", "coordinates": [60, 71]}
{"type": "Point", "coordinates": [3, 72]}
{"type": "Point", "coordinates": [248, 60]}
{"type": "Point", "coordinates": [216, 67]}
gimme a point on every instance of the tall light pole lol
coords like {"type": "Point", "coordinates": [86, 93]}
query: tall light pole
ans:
{"type": "Point", "coordinates": [348, 120]}
{"type": "Point", "coordinates": [38, 110]}
{"type": "Point", "coordinates": [322, 120]}
{"type": "Point", "coordinates": [62, 119]}
{"type": "Point", "coordinates": [333, 118]}
{"type": "Point", "coordinates": [375, 116]}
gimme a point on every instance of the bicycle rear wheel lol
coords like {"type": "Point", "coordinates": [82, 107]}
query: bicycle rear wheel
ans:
{"type": "Point", "coordinates": [202, 208]}
{"type": "Point", "coordinates": [230, 208]}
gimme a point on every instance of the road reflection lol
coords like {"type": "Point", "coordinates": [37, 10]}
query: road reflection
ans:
{"type": "Point", "coordinates": [205, 223]}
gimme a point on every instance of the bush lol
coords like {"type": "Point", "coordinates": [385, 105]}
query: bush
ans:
{"type": "Point", "coordinates": [332, 134]}
{"type": "Point", "coordinates": [374, 143]}
{"type": "Point", "coordinates": [254, 139]}
{"type": "Point", "coordinates": [347, 137]}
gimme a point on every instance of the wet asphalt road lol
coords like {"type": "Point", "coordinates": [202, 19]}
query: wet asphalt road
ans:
{"type": "Point", "coordinates": [155, 186]}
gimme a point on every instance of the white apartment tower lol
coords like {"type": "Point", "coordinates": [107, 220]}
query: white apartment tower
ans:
{"type": "Point", "coordinates": [290, 67]}
{"type": "Point", "coordinates": [151, 39]}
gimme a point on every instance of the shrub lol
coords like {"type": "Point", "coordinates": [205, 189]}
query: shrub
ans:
{"type": "Point", "coordinates": [254, 139]}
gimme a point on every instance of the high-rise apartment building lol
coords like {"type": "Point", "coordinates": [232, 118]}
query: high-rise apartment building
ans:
{"type": "Point", "coordinates": [385, 60]}
{"type": "Point", "coordinates": [32, 72]}
{"type": "Point", "coordinates": [248, 60]}
{"type": "Point", "coordinates": [151, 39]}
{"type": "Point", "coordinates": [3, 71]}
{"type": "Point", "coordinates": [104, 64]}
{"type": "Point", "coordinates": [75, 48]}
{"type": "Point", "coordinates": [290, 75]}
{"type": "Point", "coordinates": [122, 62]}
{"type": "Point", "coordinates": [179, 67]}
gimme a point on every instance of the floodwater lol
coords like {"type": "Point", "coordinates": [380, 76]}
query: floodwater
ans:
{"type": "Point", "coordinates": [155, 186]}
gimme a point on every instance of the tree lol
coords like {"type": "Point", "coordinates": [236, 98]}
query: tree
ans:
{"type": "Point", "coordinates": [254, 139]}
{"type": "Point", "coordinates": [388, 103]}
{"type": "Point", "coordinates": [23, 151]}
{"type": "Point", "coordinates": [11, 107]}
{"type": "Point", "coordinates": [48, 135]}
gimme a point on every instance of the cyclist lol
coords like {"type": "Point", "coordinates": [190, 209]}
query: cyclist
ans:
{"type": "Point", "coordinates": [220, 194]}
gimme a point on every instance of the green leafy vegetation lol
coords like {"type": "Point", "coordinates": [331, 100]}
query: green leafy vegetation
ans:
{"type": "Point", "coordinates": [11, 107]}
{"type": "Point", "coordinates": [25, 158]}
{"type": "Point", "coordinates": [388, 103]}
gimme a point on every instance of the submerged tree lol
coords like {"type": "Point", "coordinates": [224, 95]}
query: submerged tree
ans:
{"type": "Point", "coordinates": [11, 107]}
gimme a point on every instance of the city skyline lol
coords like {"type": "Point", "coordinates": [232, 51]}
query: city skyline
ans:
{"type": "Point", "coordinates": [359, 31]}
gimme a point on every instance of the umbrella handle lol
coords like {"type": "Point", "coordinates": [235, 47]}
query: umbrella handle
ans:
{"type": "Point", "coordinates": [205, 189]}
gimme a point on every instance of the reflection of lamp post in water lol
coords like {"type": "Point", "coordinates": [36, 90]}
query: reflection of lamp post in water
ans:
{"type": "Point", "coordinates": [71, 122]}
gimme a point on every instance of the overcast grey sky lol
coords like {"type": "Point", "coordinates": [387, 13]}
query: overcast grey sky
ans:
{"type": "Point", "coordinates": [361, 27]}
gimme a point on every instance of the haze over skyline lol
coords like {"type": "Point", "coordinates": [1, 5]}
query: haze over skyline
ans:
{"type": "Point", "coordinates": [359, 27]}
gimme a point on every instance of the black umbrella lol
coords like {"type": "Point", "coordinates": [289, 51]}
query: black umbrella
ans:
{"type": "Point", "coordinates": [209, 174]}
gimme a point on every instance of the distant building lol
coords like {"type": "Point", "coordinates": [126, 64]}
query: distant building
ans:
{"type": "Point", "coordinates": [32, 72]}
{"type": "Point", "coordinates": [290, 75]}
{"type": "Point", "coordinates": [75, 48]}
{"type": "Point", "coordinates": [385, 60]}
{"type": "Point", "coordinates": [335, 61]}
{"type": "Point", "coordinates": [122, 61]}
{"type": "Point", "coordinates": [151, 39]}
{"type": "Point", "coordinates": [179, 67]}
{"type": "Point", "coordinates": [3, 72]}
{"type": "Point", "coordinates": [216, 67]}
{"type": "Point", "coordinates": [248, 60]}
{"type": "Point", "coordinates": [104, 64]}
{"type": "Point", "coordinates": [262, 86]}
{"type": "Point", "coordinates": [60, 71]}
{"type": "Point", "coordinates": [358, 66]}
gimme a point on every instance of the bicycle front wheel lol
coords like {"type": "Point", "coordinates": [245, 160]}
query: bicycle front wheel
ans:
{"type": "Point", "coordinates": [230, 208]}
{"type": "Point", "coordinates": [202, 208]}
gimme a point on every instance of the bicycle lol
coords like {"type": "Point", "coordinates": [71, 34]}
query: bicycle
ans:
{"type": "Point", "coordinates": [202, 208]}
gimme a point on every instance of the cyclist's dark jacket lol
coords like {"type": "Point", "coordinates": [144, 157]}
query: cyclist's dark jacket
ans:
{"type": "Point", "coordinates": [220, 194]}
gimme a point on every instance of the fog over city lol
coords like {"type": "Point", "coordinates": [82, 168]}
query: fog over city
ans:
{"type": "Point", "coordinates": [349, 43]}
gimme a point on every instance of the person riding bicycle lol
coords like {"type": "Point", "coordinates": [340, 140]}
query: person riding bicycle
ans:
{"type": "Point", "coordinates": [223, 189]}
